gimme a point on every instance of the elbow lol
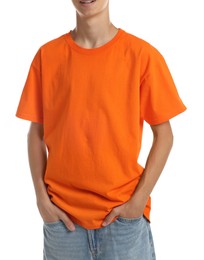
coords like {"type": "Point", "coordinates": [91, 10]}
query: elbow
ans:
{"type": "Point", "coordinates": [170, 140]}
{"type": "Point", "coordinates": [168, 137]}
{"type": "Point", "coordinates": [29, 136]}
{"type": "Point", "coordinates": [163, 134]}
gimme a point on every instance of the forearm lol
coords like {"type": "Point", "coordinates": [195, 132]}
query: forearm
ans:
{"type": "Point", "coordinates": [37, 160]}
{"type": "Point", "coordinates": [37, 155]}
{"type": "Point", "coordinates": [158, 155]}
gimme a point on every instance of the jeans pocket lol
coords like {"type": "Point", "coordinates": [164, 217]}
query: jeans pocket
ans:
{"type": "Point", "coordinates": [129, 220]}
{"type": "Point", "coordinates": [54, 223]}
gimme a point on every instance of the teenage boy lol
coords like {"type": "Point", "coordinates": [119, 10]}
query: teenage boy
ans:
{"type": "Point", "coordinates": [87, 94]}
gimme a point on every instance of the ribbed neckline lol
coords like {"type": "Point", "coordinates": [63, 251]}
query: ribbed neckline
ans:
{"type": "Point", "coordinates": [80, 49]}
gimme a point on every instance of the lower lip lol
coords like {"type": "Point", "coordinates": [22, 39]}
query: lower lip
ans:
{"type": "Point", "coordinates": [87, 4]}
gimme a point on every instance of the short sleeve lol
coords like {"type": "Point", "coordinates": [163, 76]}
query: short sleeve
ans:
{"type": "Point", "coordinates": [31, 106]}
{"type": "Point", "coordinates": [159, 97]}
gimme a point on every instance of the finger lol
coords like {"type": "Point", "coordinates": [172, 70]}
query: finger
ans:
{"type": "Point", "coordinates": [109, 218]}
{"type": "Point", "coordinates": [68, 223]}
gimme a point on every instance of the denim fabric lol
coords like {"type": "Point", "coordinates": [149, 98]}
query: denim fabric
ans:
{"type": "Point", "coordinates": [124, 239]}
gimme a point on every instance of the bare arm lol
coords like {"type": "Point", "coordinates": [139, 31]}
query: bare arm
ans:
{"type": "Point", "coordinates": [162, 144]}
{"type": "Point", "coordinates": [37, 160]}
{"type": "Point", "coordinates": [158, 155]}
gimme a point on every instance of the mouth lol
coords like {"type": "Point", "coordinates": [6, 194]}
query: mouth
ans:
{"type": "Point", "coordinates": [87, 2]}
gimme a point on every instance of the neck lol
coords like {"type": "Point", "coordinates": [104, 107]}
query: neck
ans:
{"type": "Point", "coordinates": [92, 32]}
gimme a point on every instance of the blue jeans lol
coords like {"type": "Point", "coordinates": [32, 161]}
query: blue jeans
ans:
{"type": "Point", "coordinates": [124, 238]}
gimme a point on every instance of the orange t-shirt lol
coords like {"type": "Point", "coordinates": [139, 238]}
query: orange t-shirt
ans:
{"type": "Point", "coordinates": [92, 104]}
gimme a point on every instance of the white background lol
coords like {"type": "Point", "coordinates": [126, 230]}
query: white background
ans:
{"type": "Point", "coordinates": [175, 29]}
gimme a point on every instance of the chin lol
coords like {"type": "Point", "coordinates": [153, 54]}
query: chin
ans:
{"type": "Point", "coordinates": [90, 8]}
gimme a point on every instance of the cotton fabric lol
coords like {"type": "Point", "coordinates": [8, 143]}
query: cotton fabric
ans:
{"type": "Point", "coordinates": [92, 104]}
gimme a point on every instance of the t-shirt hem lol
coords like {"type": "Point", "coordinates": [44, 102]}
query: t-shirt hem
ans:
{"type": "Point", "coordinates": [165, 118]}
{"type": "Point", "coordinates": [29, 117]}
{"type": "Point", "coordinates": [92, 226]}
{"type": "Point", "coordinates": [72, 218]}
{"type": "Point", "coordinates": [146, 214]}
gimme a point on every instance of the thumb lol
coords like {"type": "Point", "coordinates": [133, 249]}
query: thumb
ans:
{"type": "Point", "coordinates": [109, 218]}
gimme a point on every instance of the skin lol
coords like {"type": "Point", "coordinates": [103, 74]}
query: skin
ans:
{"type": "Point", "coordinates": [93, 29]}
